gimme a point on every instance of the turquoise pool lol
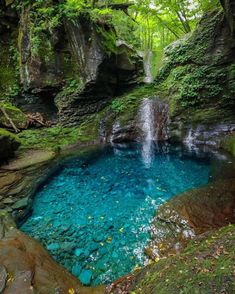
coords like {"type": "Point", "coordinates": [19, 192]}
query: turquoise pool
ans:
{"type": "Point", "coordinates": [94, 213]}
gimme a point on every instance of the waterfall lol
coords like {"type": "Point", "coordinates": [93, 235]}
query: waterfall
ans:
{"type": "Point", "coordinates": [148, 67]}
{"type": "Point", "coordinates": [147, 126]}
{"type": "Point", "coordinates": [189, 138]}
{"type": "Point", "coordinates": [147, 119]}
{"type": "Point", "coordinates": [192, 138]}
{"type": "Point", "coordinates": [153, 123]}
{"type": "Point", "coordinates": [25, 76]}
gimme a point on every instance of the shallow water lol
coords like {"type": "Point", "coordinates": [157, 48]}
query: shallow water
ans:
{"type": "Point", "coordinates": [94, 214]}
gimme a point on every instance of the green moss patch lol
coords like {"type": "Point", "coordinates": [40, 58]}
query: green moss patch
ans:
{"type": "Point", "coordinates": [8, 144]}
{"type": "Point", "coordinates": [9, 71]}
{"type": "Point", "coordinates": [228, 144]}
{"type": "Point", "coordinates": [57, 137]}
{"type": "Point", "coordinates": [205, 266]}
{"type": "Point", "coordinates": [15, 114]}
{"type": "Point", "coordinates": [195, 78]}
{"type": "Point", "coordinates": [125, 108]}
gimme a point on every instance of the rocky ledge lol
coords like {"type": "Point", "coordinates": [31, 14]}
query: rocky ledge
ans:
{"type": "Point", "coordinates": [20, 178]}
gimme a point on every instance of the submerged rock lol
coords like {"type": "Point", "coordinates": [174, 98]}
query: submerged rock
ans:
{"type": "Point", "coordinates": [205, 266]}
{"type": "Point", "coordinates": [85, 277]}
{"type": "Point", "coordinates": [21, 257]}
{"type": "Point", "coordinates": [76, 269]}
{"type": "Point", "coordinates": [53, 246]}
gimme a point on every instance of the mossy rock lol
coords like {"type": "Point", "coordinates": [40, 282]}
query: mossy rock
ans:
{"type": "Point", "coordinates": [58, 137]}
{"type": "Point", "coordinates": [9, 73]}
{"type": "Point", "coordinates": [205, 266]}
{"type": "Point", "coordinates": [228, 144]}
{"type": "Point", "coordinates": [197, 76]}
{"type": "Point", "coordinates": [9, 143]}
{"type": "Point", "coordinates": [15, 114]}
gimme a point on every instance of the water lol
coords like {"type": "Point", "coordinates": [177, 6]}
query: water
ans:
{"type": "Point", "coordinates": [94, 214]}
{"type": "Point", "coordinates": [148, 59]}
{"type": "Point", "coordinates": [147, 126]}
{"type": "Point", "coordinates": [153, 121]}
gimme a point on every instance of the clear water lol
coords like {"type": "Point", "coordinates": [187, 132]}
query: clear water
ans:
{"type": "Point", "coordinates": [94, 214]}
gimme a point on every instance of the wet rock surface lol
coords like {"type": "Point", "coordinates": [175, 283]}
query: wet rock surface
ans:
{"type": "Point", "coordinates": [20, 178]}
{"type": "Point", "coordinates": [29, 158]}
{"type": "Point", "coordinates": [124, 134]}
{"type": "Point", "coordinates": [206, 264]}
{"type": "Point", "coordinates": [27, 267]}
{"type": "Point", "coordinates": [152, 118]}
{"type": "Point", "coordinates": [190, 214]}
{"type": "Point", "coordinates": [200, 134]}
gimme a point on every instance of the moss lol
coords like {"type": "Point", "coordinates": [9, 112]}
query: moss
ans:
{"type": "Point", "coordinates": [197, 89]}
{"type": "Point", "coordinates": [207, 115]}
{"type": "Point", "coordinates": [9, 71]}
{"type": "Point", "coordinates": [16, 115]}
{"type": "Point", "coordinates": [5, 133]}
{"type": "Point", "coordinates": [49, 138]}
{"type": "Point", "coordinates": [195, 77]}
{"type": "Point", "coordinates": [108, 39]}
{"type": "Point", "coordinates": [125, 108]}
{"type": "Point", "coordinates": [228, 144]}
{"type": "Point", "coordinates": [8, 144]}
{"type": "Point", "coordinates": [205, 266]}
{"type": "Point", "coordinates": [73, 86]}
{"type": "Point", "coordinates": [57, 137]}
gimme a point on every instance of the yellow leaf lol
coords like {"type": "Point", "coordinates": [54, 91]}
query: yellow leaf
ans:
{"type": "Point", "coordinates": [157, 259]}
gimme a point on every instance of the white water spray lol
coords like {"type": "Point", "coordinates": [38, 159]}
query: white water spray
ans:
{"type": "Point", "coordinates": [148, 67]}
{"type": "Point", "coordinates": [147, 126]}
{"type": "Point", "coordinates": [189, 138]}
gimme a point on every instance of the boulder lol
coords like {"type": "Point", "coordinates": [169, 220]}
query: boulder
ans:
{"type": "Point", "coordinates": [85, 277]}
{"type": "Point", "coordinates": [9, 143]}
{"type": "Point", "coordinates": [192, 213]}
{"type": "Point", "coordinates": [10, 115]}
